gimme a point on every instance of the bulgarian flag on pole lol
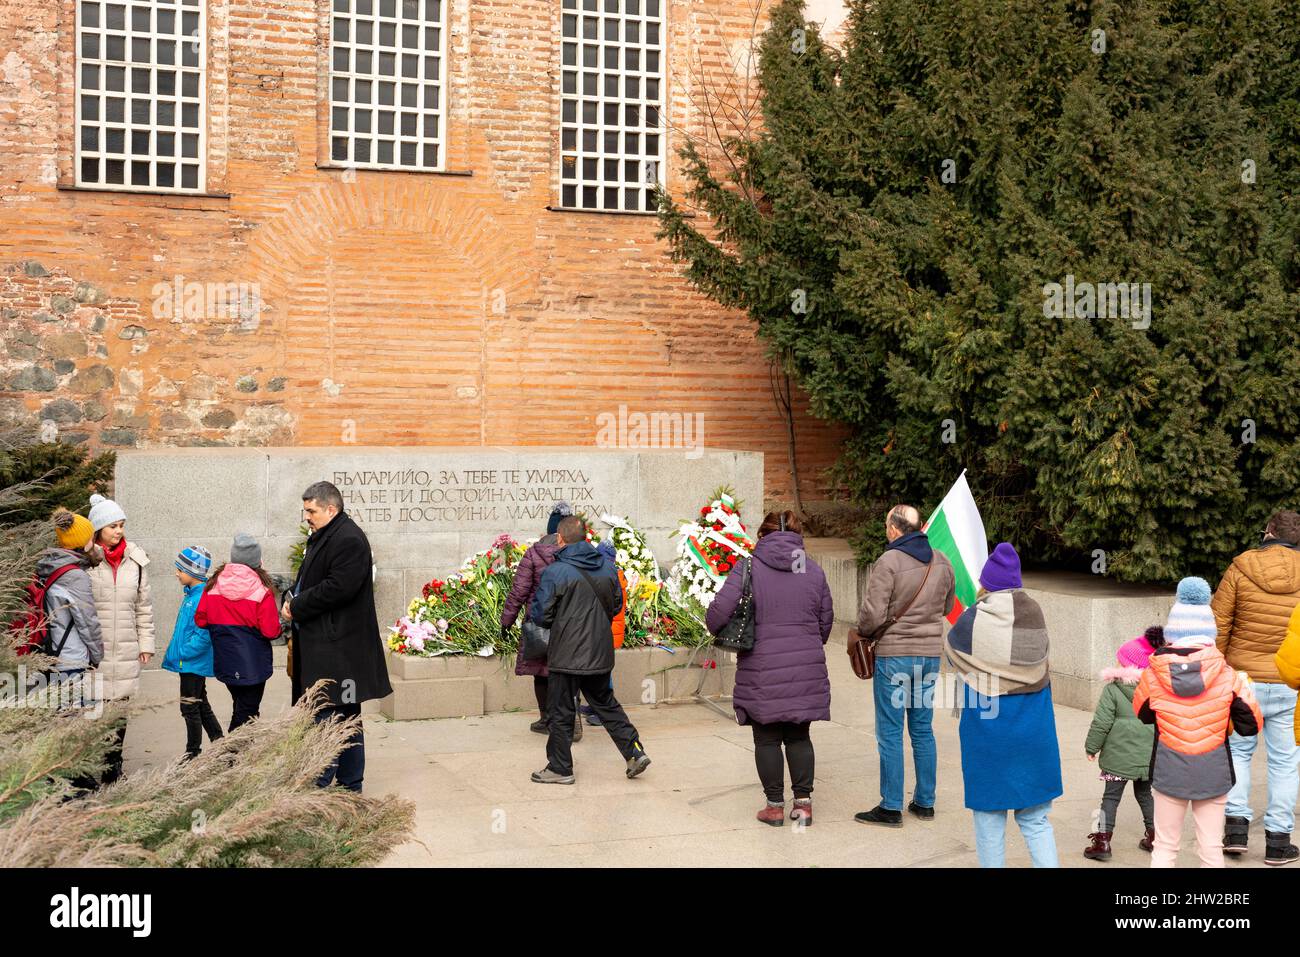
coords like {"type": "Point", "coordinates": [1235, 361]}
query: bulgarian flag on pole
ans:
{"type": "Point", "coordinates": [957, 530]}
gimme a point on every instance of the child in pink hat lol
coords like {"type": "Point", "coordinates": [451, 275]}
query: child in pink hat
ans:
{"type": "Point", "coordinates": [1122, 744]}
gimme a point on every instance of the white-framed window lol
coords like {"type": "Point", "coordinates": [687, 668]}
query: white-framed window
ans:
{"type": "Point", "coordinates": [612, 139]}
{"type": "Point", "coordinates": [388, 84]}
{"type": "Point", "coordinates": [141, 98]}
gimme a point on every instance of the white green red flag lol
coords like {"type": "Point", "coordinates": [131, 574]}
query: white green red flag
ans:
{"type": "Point", "coordinates": [956, 529]}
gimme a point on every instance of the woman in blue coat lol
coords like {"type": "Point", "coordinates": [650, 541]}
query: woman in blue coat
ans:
{"type": "Point", "coordinates": [1010, 757]}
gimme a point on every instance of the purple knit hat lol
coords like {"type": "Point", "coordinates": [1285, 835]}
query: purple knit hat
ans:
{"type": "Point", "coordinates": [1135, 653]}
{"type": "Point", "coordinates": [1002, 570]}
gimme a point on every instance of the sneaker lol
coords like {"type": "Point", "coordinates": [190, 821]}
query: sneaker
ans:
{"type": "Point", "coordinates": [637, 764]}
{"type": "Point", "coordinates": [1148, 840]}
{"type": "Point", "coordinates": [773, 814]}
{"type": "Point", "coordinates": [594, 720]}
{"type": "Point", "coordinates": [881, 816]}
{"type": "Point", "coordinates": [1099, 850]}
{"type": "Point", "coordinates": [1235, 835]}
{"type": "Point", "coordinates": [802, 811]}
{"type": "Point", "coordinates": [547, 776]}
{"type": "Point", "coordinates": [577, 727]}
{"type": "Point", "coordinates": [920, 811]}
{"type": "Point", "coordinates": [1278, 848]}
{"type": "Point", "coordinates": [540, 726]}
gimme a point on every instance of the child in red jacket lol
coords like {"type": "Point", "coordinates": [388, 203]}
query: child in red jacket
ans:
{"type": "Point", "coordinates": [239, 611]}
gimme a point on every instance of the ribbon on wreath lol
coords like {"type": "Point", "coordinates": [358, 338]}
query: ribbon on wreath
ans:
{"type": "Point", "coordinates": [695, 547]}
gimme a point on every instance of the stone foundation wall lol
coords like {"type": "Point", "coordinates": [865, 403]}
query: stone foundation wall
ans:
{"type": "Point", "coordinates": [456, 685]}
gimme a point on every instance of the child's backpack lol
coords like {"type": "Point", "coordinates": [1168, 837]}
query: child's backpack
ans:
{"type": "Point", "coordinates": [29, 631]}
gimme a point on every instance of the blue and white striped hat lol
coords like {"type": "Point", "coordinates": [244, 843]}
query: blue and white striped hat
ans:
{"type": "Point", "coordinates": [1190, 620]}
{"type": "Point", "coordinates": [196, 561]}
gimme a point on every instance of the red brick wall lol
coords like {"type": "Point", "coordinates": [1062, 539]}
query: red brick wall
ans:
{"type": "Point", "coordinates": [397, 308]}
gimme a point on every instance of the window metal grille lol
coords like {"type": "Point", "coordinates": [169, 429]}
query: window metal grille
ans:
{"type": "Point", "coordinates": [387, 84]}
{"type": "Point", "coordinates": [141, 100]}
{"type": "Point", "coordinates": [611, 135]}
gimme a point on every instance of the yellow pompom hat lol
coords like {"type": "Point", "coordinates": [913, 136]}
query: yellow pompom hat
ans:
{"type": "Point", "coordinates": [74, 531]}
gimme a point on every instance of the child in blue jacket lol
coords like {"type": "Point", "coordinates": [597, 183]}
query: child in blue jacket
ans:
{"type": "Point", "coordinates": [190, 651]}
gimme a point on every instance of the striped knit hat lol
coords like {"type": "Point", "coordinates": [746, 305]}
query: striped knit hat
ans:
{"type": "Point", "coordinates": [195, 561]}
{"type": "Point", "coordinates": [1190, 620]}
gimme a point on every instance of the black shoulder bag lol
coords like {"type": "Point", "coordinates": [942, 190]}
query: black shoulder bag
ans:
{"type": "Point", "coordinates": [738, 633]}
{"type": "Point", "coordinates": [535, 641]}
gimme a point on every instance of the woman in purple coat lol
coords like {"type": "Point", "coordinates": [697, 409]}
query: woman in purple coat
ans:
{"type": "Point", "coordinates": [782, 685]}
{"type": "Point", "coordinates": [540, 554]}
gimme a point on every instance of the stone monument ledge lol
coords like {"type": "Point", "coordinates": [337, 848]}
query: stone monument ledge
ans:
{"type": "Point", "coordinates": [424, 510]}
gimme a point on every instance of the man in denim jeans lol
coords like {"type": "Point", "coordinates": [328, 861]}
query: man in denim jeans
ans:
{"type": "Point", "coordinates": [907, 660]}
{"type": "Point", "coordinates": [1252, 606]}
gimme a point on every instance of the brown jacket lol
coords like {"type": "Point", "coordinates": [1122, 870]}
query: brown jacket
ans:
{"type": "Point", "coordinates": [895, 577]}
{"type": "Point", "coordinates": [1252, 606]}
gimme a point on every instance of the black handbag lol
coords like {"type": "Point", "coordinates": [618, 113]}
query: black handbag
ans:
{"type": "Point", "coordinates": [738, 633]}
{"type": "Point", "coordinates": [534, 641]}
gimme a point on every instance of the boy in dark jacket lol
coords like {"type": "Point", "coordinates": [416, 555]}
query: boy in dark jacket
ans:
{"type": "Point", "coordinates": [577, 599]}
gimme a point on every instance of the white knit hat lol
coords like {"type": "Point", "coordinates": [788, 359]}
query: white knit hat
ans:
{"type": "Point", "coordinates": [104, 511]}
{"type": "Point", "coordinates": [1191, 622]}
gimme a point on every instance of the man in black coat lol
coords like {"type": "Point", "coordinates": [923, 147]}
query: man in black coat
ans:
{"type": "Point", "coordinates": [335, 629]}
{"type": "Point", "coordinates": [577, 597]}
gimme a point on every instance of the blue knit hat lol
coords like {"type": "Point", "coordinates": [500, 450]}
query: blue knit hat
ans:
{"type": "Point", "coordinates": [560, 510]}
{"type": "Point", "coordinates": [1190, 620]}
{"type": "Point", "coordinates": [195, 561]}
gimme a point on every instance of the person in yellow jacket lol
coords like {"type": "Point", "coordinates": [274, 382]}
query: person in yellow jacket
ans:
{"type": "Point", "coordinates": [1287, 662]}
{"type": "Point", "coordinates": [1252, 606]}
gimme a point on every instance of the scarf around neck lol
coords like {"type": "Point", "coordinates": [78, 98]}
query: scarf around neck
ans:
{"type": "Point", "coordinates": [114, 555]}
{"type": "Point", "coordinates": [999, 647]}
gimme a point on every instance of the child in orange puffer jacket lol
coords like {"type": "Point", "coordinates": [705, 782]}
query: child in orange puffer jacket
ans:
{"type": "Point", "coordinates": [1195, 700]}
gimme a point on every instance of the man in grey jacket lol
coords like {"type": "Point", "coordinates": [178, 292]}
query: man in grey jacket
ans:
{"type": "Point", "coordinates": [916, 584]}
{"type": "Point", "coordinates": [70, 611]}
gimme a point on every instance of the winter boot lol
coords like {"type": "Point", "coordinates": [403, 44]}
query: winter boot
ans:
{"type": "Point", "coordinates": [773, 814]}
{"type": "Point", "coordinates": [1100, 849]}
{"type": "Point", "coordinates": [1278, 848]}
{"type": "Point", "coordinates": [802, 811]}
{"type": "Point", "coordinates": [1235, 835]}
{"type": "Point", "coordinates": [1148, 840]}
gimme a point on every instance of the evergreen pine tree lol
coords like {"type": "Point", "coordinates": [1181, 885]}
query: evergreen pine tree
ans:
{"type": "Point", "coordinates": [921, 188]}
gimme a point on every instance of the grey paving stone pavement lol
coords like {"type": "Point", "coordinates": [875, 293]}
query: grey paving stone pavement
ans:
{"type": "Point", "coordinates": [694, 806]}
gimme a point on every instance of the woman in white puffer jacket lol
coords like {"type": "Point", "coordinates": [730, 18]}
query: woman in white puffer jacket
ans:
{"type": "Point", "coordinates": [125, 608]}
